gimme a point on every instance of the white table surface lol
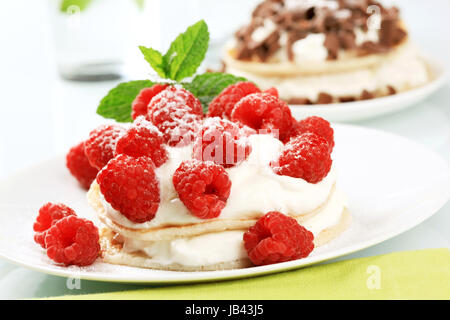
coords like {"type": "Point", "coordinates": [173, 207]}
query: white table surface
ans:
{"type": "Point", "coordinates": [41, 116]}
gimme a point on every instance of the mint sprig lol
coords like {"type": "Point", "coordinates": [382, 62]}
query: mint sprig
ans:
{"type": "Point", "coordinates": [181, 61]}
{"type": "Point", "coordinates": [207, 86]}
{"type": "Point", "coordinates": [117, 103]}
{"type": "Point", "coordinates": [184, 56]}
{"type": "Point", "coordinates": [155, 59]}
{"type": "Point", "coordinates": [187, 52]}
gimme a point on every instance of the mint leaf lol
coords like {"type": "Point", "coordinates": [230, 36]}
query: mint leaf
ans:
{"type": "Point", "coordinates": [68, 6]}
{"type": "Point", "coordinates": [187, 52]}
{"type": "Point", "coordinates": [117, 103]}
{"type": "Point", "coordinates": [155, 58]}
{"type": "Point", "coordinates": [207, 86]}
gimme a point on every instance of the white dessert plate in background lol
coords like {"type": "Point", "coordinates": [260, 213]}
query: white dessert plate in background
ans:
{"type": "Point", "coordinates": [392, 185]}
{"type": "Point", "coordinates": [360, 110]}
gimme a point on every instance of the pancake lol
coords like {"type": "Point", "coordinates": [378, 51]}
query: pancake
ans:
{"type": "Point", "coordinates": [112, 251]}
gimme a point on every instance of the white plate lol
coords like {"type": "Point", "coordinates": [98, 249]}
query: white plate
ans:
{"type": "Point", "coordinates": [392, 184]}
{"type": "Point", "coordinates": [359, 110]}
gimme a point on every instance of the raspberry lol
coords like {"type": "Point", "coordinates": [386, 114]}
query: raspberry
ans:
{"type": "Point", "coordinates": [142, 100]}
{"type": "Point", "coordinates": [318, 126]}
{"type": "Point", "coordinates": [203, 187]}
{"type": "Point", "coordinates": [100, 146]}
{"type": "Point", "coordinates": [79, 166]}
{"type": "Point", "coordinates": [143, 139]}
{"type": "Point", "coordinates": [49, 214]}
{"type": "Point", "coordinates": [175, 113]}
{"type": "Point", "coordinates": [277, 238]}
{"type": "Point", "coordinates": [222, 142]}
{"type": "Point", "coordinates": [263, 111]}
{"type": "Point", "coordinates": [273, 91]}
{"type": "Point", "coordinates": [73, 240]}
{"type": "Point", "coordinates": [223, 104]}
{"type": "Point", "coordinates": [131, 187]}
{"type": "Point", "coordinates": [306, 156]}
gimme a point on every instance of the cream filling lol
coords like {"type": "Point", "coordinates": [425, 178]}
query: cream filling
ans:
{"type": "Point", "coordinates": [255, 189]}
{"type": "Point", "coordinates": [403, 70]}
{"type": "Point", "coordinates": [214, 248]}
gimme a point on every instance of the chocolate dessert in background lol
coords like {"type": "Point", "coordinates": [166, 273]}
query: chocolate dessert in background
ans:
{"type": "Point", "coordinates": [326, 51]}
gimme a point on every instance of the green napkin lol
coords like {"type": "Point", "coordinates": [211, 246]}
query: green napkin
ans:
{"type": "Point", "coordinates": [422, 274]}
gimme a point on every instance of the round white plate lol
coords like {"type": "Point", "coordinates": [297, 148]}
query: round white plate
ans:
{"type": "Point", "coordinates": [392, 185]}
{"type": "Point", "coordinates": [359, 110]}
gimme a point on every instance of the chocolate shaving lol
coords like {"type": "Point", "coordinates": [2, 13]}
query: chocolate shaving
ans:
{"type": "Point", "coordinates": [391, 90]}
{"type": "Point", "coordinates": [390, 33]}
{"type": "Point", "coordinates": [299, 101]}
{"type": "Point", "coordinates": [372, 47]}
{"type": "Point", "coordinates": [346, 99]}
{"type": "Point", "coordinates": [332, 45]}
{"type": "Point", "coordinates": [324, 98]}
{"type": "Point", "coordinates": [267, 47]}
{"type": "Point", "coordinates": [366, 95]}
{"type": "Point", "coordinates": [347, 40]}
{"type": "Point", "coordinates": [297, 23]}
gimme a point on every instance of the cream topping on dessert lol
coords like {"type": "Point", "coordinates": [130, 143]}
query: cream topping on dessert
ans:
{"type": "Point", "coordinates": [212, 248]}
{"type": "Point", "coordinates": [311, 48]}
{"type": "Point", "coordinates": [261, 33]}
{"type": "Point", "coordinates": [403, 70]}
{"type": "Point", "coordinates": [361, 26]}
{"type": "Point", "coordinates": [255, 189]}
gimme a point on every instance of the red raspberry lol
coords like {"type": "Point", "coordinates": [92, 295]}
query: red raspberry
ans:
{"type": "Point", "coordinates": [318, 126]}
{"type": "Point", "coordinates": [203, 187]}
{"type": "Point", "coordinates": [277, 238]}
{"type": "Point", "coordinates": [263, 111]}
{"type": "Point", "coordinates": [101, 144]}
{"type": "Point", "coordinates": [273, 91]}
{"type": "Point", "coordinates": [79, 166]}
{"type": "Point", "coordinates": [223, 104]}
{"type": "Point", "coordinates": [222, 141]}
{"type": "Point", "coordinates": [73, 240]}
{"type": "Point", "coordinates": [175, 113]}
{"type": "Point", "coordinates": [306, 156]}
{"type": "Point", "coordinates": [143, 139]}
{"type": "Point", "coordinates": [131, 187]}
{"type": "Point", "coordinates": [141, 102]}
{"type": "Point", "coordinates": [49, 214]}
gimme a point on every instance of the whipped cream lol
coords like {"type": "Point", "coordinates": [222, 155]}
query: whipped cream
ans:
{"type": "Point", "coordinates": [261, 33]}
{"type": "Point", "coordinates": [255, 189]}
{"type": "Point", "coordinates": [403, 70]}
{"type": "Point", "coordinates": [310, 48]}
{"type": "Point", "coordinates": [362, 36]}
{"type": "Point", "coordinates": [214, 248]}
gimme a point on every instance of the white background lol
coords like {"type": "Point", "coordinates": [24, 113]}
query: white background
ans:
{"type": "Point", "coordinates": [41, 115]}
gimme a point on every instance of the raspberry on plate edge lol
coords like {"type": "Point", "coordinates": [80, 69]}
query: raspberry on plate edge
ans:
{"type": "Point", "coordinates": [73, 241]}
{"type": "Point", "coordinates": [48, 215]}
